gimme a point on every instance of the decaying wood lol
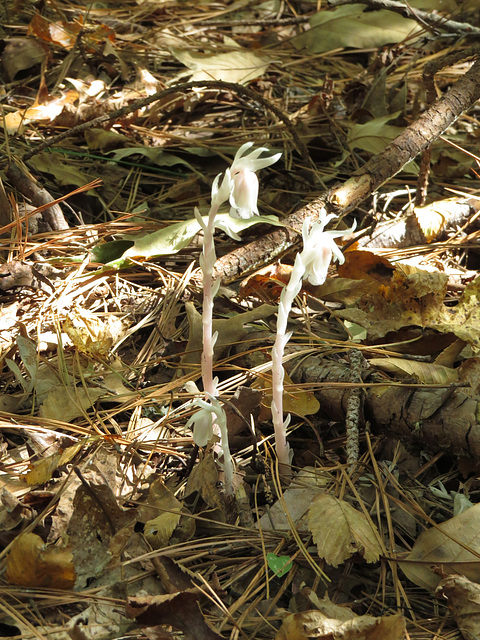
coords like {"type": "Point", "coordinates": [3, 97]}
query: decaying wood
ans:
{"type": "Point", "coordinates": [406, 232]}
{"type": "Point", "coordinates": [438, 419]}
{"type": "Point", "coordinates": [345, 197]}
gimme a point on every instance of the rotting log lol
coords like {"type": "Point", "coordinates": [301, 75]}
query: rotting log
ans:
{"type": "Point", "coordinates": [437, 419]}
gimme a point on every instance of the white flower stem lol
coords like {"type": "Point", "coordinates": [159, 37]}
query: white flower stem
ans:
{"type": "Point", "coordinates": [286, 300]}
{"type": "Point", "coordinates": [209, 291]}
{"type": "Point", "coordinates": [208, 262]}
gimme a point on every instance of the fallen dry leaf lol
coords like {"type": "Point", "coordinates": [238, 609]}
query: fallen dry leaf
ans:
{"type": "Point", "coordinates": [204, 480]}
{"type": "Point", "coordinates": [417, 299]}
{"type": "Point", "coordinates": [296, 500]}
{"type": "Point", "coordinates": [167, 520]}
{"type": "Point", "coordinates": [365, 265]}
{"type": "Point", "coordinates": [31, 563]}
{"type": "Point", "coordinates": [313, 624]}
{"type": "Point", "coordinates": [92, 335]}
{"type": "Point", "coordinates": [426, 372]}
{"type": "Point", "coordinates": [339, 531]}
{"type": "Point", "coordinates": [452, 546]}
{"type": "Point", "coordinates": [464, 602]}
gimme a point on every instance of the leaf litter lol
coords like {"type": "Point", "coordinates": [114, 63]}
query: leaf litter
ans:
{"type": "Point", "coordinates": [113, 524]}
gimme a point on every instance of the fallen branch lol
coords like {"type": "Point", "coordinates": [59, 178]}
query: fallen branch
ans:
{"type": "Point", "coordinates": [345, 197]}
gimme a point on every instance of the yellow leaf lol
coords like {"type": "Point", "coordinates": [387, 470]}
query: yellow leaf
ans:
{"type": "Point", "coordinates": [298, 401]}
{"type": "Point", "coordinates": [159, 530]}
{"type": "Point", "coordinates": [92, 335]}
{"type": "Point", "coordinates": [339, 531]}
{"type": "Point", "coordinates": [315, 624]}
{"type": "Point", "coordinates": [31, 563]}
{"type": "Point", "coordinates": [41, 471]}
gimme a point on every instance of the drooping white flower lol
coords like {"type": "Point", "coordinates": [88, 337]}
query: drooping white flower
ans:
{"type": "Point", "coordinates": [244, 194]}
{"type": "Point", "coordinates": [319, 248]}
{"type": "Point", "coordinates": [209, 414]}
{"type": "Point", "coordinates": [202, 420]}
{"type": "Point", "coordinates": [202, 426]}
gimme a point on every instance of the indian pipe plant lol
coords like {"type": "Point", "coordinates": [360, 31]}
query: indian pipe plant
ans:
{"type": "Point", "coordinates": [239, 187]}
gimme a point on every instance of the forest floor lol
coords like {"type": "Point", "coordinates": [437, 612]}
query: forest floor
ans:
{"type": "Point", "coordinates": [113, 523]}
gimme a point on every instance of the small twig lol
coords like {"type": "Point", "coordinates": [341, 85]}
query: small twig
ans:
{"type": "Point", "coordinates": [262, 22]}
{"type": "Point", "coordinates": [431, 68]}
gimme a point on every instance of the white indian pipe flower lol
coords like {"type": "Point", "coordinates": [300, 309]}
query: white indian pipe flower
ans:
{"type": "Point", "coordinates": [319, 248]}
{"type": "Point", "coordinates": [244, 194]}
{"type": "Point", "coordinates": [209, 414]}
{"type": "Point", "coordinates": [202, 420]}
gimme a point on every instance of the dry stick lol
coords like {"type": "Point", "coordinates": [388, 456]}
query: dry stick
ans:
{"type": "Point", "coordinates": [431, 68]}
{"type": "Point", "coordinates": [354, 410]}
{"type": "Point", "coordinates": [344, 197]}
{"type": "Point", "coordinates": [237, 89]}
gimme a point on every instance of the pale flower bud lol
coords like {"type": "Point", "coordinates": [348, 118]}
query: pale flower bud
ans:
{"type": "Point", "coordinates": [202, 420]}
{"type": "Point", "coordinates": [244, 194]}
{"type": "Point", "coordinates": [319, 248]}
{"type": "Point", "coordinates": [243, 199]}
{"type": "Point", "coordinates": [221, 192]}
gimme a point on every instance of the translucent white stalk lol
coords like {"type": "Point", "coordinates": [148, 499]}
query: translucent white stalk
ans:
{"type": "Point", "coordinates": [207, 262]}
{"type": "Point", "coordinates": [287, 297]}
{"type": "Point", "coordinates": [319, 248]}
{"type": "Point", "coordinates": [211, 418]}
{"type": "Point", "coordinates": [239, 186]}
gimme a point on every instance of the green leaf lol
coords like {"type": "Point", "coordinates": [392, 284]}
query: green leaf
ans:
{"type": "Point", "coordinates": [352, 26]}
{"type": "Point", "coordinates": [280, 565]}
{"type": "Point", "coordinates": [375, 135]}
{"type": "Point", "coordinates": [109, 251]}
{"type": "Point", "coordinates": [176, 237]}
{"type": "Point", "coordinates": [65, 174]}
{"type": "Point", "coordinates": [169, 240]}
